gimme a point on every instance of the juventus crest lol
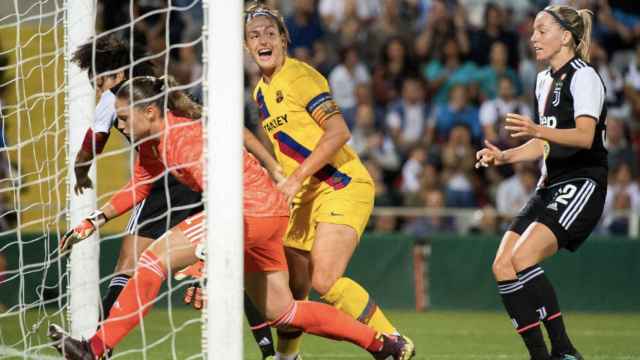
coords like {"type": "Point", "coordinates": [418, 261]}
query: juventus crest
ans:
{"type": "Point", "coordinates": [556, 93]}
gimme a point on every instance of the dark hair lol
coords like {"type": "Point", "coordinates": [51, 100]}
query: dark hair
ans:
{"type": "Point", "coordinates": [149, 90]}
{"type": "Point", "coordinates": [344, 52]}
{"type": "Point", "coordinates": [384, 51]}
{"type": "Point", "coordinates": [578, 23]}
{"type": "Point", "coordinates": [111, 54]}
{"type": "Point", "coordinates": [488, 7]}
{"type": "Point", "coordinates": [504, 77]}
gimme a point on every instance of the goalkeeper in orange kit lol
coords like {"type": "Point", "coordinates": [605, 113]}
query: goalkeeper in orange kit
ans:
{"type": "Point", "coordinates": [109, 60]}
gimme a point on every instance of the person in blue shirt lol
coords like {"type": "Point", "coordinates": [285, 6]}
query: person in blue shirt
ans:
{"type": "Point", "coordinates": [457, 111]}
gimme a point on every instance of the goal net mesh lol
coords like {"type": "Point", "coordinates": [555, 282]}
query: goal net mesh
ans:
{"type": "Point", "coordinates": [36, 160]}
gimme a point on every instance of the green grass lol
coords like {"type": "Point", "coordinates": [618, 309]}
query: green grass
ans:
{"type": "Point", "coordinates": [438, 335]}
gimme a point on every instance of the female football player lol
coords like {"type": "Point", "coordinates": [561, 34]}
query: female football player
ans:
{"type": "Point", "coordinates": [109, 59]}
{"type": "Point", "coordinates": [329, 189]}
{"type": "Point", "coordinates": [568, 132]}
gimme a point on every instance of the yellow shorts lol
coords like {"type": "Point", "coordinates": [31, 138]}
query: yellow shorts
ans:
{"type": "Point", "coordinates": [350, 206]}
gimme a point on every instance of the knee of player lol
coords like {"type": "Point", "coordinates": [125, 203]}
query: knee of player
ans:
{"type": "Point", "coordinates": [502, 266]}
{"type": "Point", "coordinates": [520, 260]}
{"type": "Point", "coordinates": [126, 262]}
{"type": "Point", "coordinates": [322, 281]}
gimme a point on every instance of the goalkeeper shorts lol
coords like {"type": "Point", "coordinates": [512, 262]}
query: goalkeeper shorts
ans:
{"type": "Point", "coordinates": [263, 249]}
{"type": "Point", "coordinates": [166, 206]}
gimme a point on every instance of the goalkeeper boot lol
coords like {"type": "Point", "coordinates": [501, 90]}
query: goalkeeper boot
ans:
{"type": "Point", "coordinates": [70, 348]}
{"type": "Point", "coordinates": [395, 348]}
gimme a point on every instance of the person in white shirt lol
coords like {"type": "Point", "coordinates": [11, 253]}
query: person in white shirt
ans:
{"type": "Point", "coordinates": [623, 194]}
{"type": "Point", "coordinates": [493, 113]}
{"type": "Point", "coordinates": [514, 192]}
{"type": "Point", "coordinates": [344, 78]}
{"type": "Point", "coordinates": [406, 119]}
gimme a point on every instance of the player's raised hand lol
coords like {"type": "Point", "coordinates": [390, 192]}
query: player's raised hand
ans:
{"type": "Point", "coordinates": [82, 231]}
{"type": "Point", "coordinates": [193, 293]}
{"type": "Point", "coordinates": [521, 126]}
{"type": "Point", "coordinates": [490, 155]}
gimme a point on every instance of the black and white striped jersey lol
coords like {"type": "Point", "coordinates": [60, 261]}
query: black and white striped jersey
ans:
{"type": "Point", "coordinates": [574, 90]}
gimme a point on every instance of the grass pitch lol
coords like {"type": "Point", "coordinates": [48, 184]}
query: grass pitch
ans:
{"type": "Point", "coordinates": [439, 335]}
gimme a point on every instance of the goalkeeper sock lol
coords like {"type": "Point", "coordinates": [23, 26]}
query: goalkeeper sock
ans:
{"type": "Point", "coordinates": [259, 327]}
{"type": "Point", "coordinates": [534, 279]}
{"type": "Point", "coordinates": [326, 321]}
{"type": "Point", "coordinates": [115, 287]}
{"type": "Point", "coordinates": [348, 296]}
{"type": "Point", "coordinates": [137, 297]}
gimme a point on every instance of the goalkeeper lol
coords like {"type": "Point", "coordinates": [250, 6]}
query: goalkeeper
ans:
{"type": "Point", "coordinates": [173, 141]}
{"type": "Point", "coordinates": [169, 202]}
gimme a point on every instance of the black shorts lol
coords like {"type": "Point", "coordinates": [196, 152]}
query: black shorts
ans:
{"type": "Point", "coordinates": [570, 209]}
{"type": "Point", "coordinates": [151, 218]}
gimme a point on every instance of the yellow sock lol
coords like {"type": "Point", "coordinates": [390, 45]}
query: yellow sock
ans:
{"type": "Point", "coordinates": [289, 342]}
{"type": "Point", "coordinates": [351, 298]}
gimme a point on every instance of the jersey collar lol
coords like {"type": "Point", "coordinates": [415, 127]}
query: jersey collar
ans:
{"type": "Point", "coordinates": [563, 70]}
{"type": "Point", "coordinates": [275, 74]}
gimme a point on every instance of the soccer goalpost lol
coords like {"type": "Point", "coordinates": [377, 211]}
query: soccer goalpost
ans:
{"type": "Point", "coordinates": [47, 115]}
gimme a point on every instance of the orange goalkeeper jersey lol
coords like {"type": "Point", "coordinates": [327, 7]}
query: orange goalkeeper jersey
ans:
{"type": "Point", "coordinates": [179, 149]}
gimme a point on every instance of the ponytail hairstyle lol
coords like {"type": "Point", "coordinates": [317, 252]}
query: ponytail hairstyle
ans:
{"type": "Point", "coordinates": [259, 8]}
{"type": "Point", "coordinates": [578, 23]}
{"type": "Point", "coordinates": [149, 90]}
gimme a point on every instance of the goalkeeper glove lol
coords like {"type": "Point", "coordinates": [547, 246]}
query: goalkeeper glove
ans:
{"type": "Point", "coordinates": [82, 231]}
{"type": "Point", "coordinates": [193, 293]}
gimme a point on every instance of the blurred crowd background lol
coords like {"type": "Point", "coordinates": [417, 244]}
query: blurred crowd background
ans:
{"type": "Point", "coordinates": [421, 84]}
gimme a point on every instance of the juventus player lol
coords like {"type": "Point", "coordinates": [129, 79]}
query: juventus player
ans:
{"type": "Point", "coordinates": [568, 132]}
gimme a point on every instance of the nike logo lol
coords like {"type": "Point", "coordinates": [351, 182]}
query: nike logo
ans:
{"type": "Point", "coordinates": [333, 213]}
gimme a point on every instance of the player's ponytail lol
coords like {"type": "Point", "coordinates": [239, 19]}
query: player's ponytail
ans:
{"type": "Point", "coordinates": [179, 102]}
{"type": "Point", "coordinates": [145, 90]}
{"type": "Point", "coordinates": [584, 46]}
{"type": "Point", "coordinates": [578, 23]}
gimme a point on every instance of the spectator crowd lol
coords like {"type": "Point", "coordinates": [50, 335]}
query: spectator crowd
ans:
{"type": "Point", "coordinates": [421, 84]}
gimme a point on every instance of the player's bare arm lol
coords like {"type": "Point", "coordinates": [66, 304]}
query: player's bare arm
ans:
{"type": "Point", "coordinates": [581, 136]}
{"type": "Point", "coordinates": [256, 147]}
{"type": "Point", "coordinates": [491, 155]}
{"type": "Point", "coordinates": [83, 162]}
{"type": "Point", "coordinates": [335, 136]}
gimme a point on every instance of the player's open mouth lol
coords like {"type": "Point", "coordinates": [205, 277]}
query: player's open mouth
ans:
{"type": "Point", "coordinates": [264, 54]}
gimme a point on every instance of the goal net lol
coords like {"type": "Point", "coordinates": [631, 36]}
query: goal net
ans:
{"type": "Point", "coordinates": [47, 104]}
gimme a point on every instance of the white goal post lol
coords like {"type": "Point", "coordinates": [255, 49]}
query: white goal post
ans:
{"type": "Point", "coordinates": [50, 106]}
{"type": "Point", "coordinates": [224, 86]}
{"type": "Point", "coordinates": [84, 283]}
